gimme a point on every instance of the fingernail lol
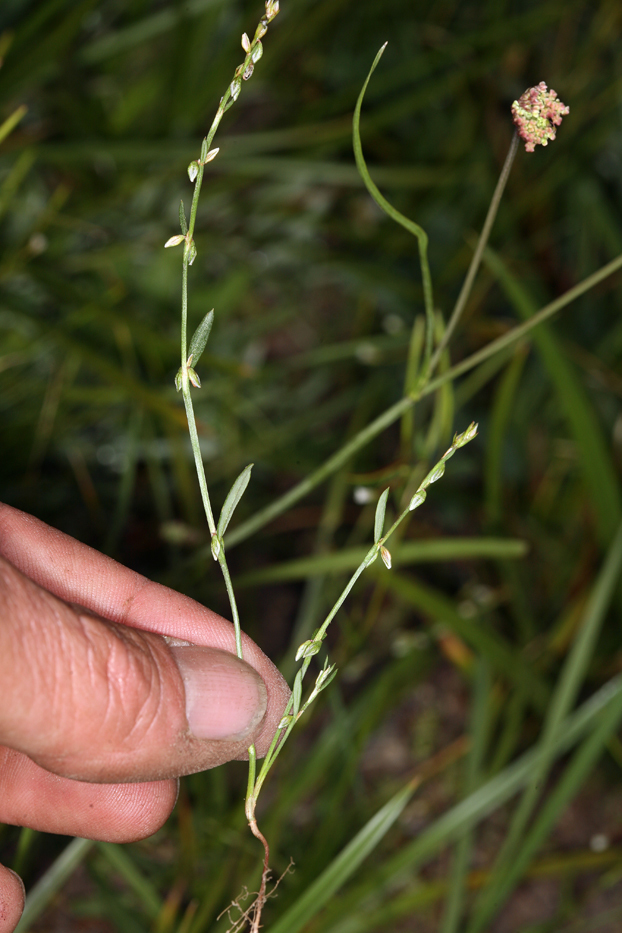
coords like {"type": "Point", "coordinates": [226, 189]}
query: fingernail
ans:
{"type": "Point", "coordinates": [225, 697]}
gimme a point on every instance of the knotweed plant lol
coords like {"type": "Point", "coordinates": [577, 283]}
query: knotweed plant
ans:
{"type": "Point", "coordinates": [536, 114]}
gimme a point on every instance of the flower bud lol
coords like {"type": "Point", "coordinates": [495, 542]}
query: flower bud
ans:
{"type": "Point", "coordinates": [437, 472]}
{"type": "Point", "coordinates": [246, 44]}
{"type": "Point", "coordinates": [235, 89]}
{"type": "Point", "coordinates": [190, 252]}
{"type": "Point", "coordinates": [386, 557]}
{"type": "Point", "coordinates": [272, 8]}
{"type": "Point", "coordinates": [174, 241]}
{"type": "Point", "coordinates": [417, 500]}
{"type": "Point", "coordinates": [308, 648]}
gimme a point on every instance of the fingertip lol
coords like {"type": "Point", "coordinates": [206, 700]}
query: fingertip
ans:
{"type": "Point", "coordinates": [138, 811]}
{"type": "Point", "coordinates": [12, 899]}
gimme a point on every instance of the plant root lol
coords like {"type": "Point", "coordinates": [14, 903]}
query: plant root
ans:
{"type": "Point", "coordinates": [252, 914]}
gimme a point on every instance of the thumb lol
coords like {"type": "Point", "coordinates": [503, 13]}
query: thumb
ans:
{"type": "Point", "coordinates": [98, 701]}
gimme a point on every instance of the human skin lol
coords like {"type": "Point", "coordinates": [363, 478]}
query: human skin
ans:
{"type": "Point", "coordinates": [99, 713]}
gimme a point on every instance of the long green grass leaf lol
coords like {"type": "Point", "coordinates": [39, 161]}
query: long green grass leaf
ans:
{"type": "Point", "coordinates": [52, 881]}
{"type": "Point", "coordinates": [406, 553]}
{"type": "Point", "coordinates": [598, 470]}
{"type": "Point", "coordinates": [564, 697]}
{"type": "Point", "coordinates": [346, 863]}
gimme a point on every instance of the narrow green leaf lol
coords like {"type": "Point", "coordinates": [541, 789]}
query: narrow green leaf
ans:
{"type": "Point", "coordinates": [567, 688]}
{"type": "Point", "coordinates": [502, 655]}
{"type": "Point", "coordinates": [233, 497]}
{"type": "Point", "coordinates": [342, 867]}
{"type": "Point", "coordinates": [119, 858]}
{"type": "Point", "coordinates": [182, 218]}
{"type": "Point", "coordinates": [200, 337]}
{"type": "Point", "coordinates": [381, 509]}
{"type": "Point", "coordinates": [479, 729]}
{"type": "Point", "coordinates": [52, 881]}
{"type": "Point", "coordinates": [571, 782]}
{"type": "Point", "coordinates": [461, 818]}
{"type": "Point", "coordinates": [596, 463]}
{"type": "Point", "coordinates": [11, 122]}
{"type": "Point", "coordinates": [406, 553]}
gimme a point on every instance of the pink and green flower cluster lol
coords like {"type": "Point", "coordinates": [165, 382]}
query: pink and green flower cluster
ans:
{"type": "Point", "coordinates": [537, 113]}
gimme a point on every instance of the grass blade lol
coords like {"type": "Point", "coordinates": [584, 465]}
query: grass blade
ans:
{"type": "Point", "coordinates": [406, 553]}
{"type": "Point", "coordinates": [598, 469]}
{"type": "Point", "coordinates": [568, 686]}
{"type": "Point", "coordinates": [346, 863]}
{"type": "Point", "coordinates": [52, 881]}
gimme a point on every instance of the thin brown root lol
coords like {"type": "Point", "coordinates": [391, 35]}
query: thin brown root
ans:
{"type": "Point", "coordinates": [265, 876]}
{"type": "Point", "coordinates": [252, 914]}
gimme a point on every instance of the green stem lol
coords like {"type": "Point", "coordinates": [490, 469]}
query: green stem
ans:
{"type": "Point", "coordinates": [333, 612]}
{"type": "Point", "coordinates": [196, 450]}
{"type": "Point", "coordinates": [465, 291]}
{"type": "Point", "coordinates": [207, 142]}
{"type": "Point", "coordinates": [411, 226]}
{"type": "Point", "coordinates": [234, 606]}
{"type": "Point", "coordinates": [282, 735]}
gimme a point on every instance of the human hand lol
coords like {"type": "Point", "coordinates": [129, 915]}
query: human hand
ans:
{"type": "Point", "coordinates": [99, 716]}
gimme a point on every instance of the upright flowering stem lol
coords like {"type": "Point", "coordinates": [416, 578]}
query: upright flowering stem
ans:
{"type": "Point", "coordinates": [465, 291]}
{"type": "Point", "coordinates": [536, 114]}
{"type": "Point", "coordinates": [187, 376]}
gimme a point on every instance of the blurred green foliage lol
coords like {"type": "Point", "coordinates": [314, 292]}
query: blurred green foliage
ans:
{"type": "Point", "coordinates": [315, 294]}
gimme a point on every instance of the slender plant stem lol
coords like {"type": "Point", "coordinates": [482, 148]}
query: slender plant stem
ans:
{"type": "Point", "coordinates": [465, 291]}
{"type": "Point", "coordinates": [207, 142]}
{"type": "Point", "coordinates": [232, 602]}
{"type": "Point", "coordinates": [410, 225]}
{"type": "Point", "coordinates": [198, 460]}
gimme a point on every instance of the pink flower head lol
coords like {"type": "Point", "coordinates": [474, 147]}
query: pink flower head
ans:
{"type": "Point", "coordinates": [536, 113]}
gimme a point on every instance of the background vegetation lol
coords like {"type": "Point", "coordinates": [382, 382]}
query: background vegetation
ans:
{"type": "Point", "coordinates": [315, 294]}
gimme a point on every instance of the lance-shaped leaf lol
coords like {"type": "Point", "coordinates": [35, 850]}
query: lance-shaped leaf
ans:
{"type": "Point", "coordinates": [182, 218]}
{"type": "Point", "coordinates": [200, 337]}
{"type": "Point", "coordinates": [233, 497]}
{"type": "Point", "coordinates": [381, 508]}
